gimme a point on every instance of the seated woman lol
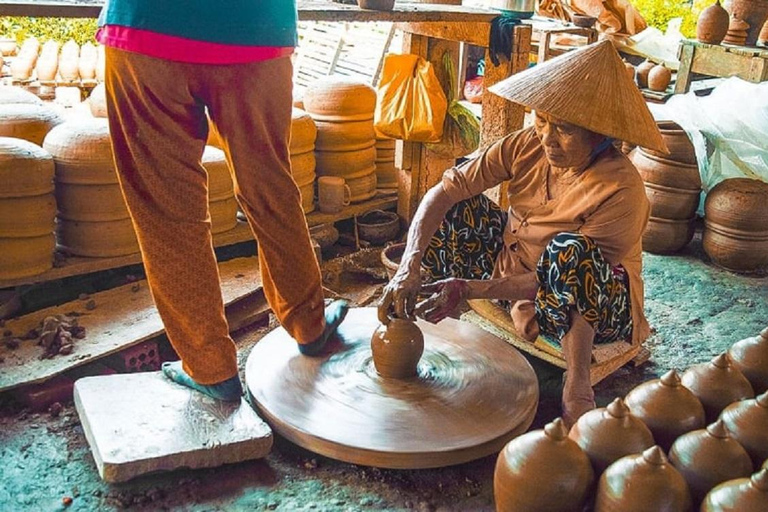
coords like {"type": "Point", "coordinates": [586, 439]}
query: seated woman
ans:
{"type": "Point", "coordinates": [568, 252]}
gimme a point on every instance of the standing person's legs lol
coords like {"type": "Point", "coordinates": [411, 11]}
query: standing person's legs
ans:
{"type": "Point", "coordinates": [158, 139]}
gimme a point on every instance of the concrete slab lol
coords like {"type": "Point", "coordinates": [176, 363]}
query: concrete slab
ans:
{"type": "Point", "coordinates": [142, 423]}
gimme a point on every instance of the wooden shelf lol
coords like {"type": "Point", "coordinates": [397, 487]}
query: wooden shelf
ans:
{"type": "Point", "coordinates": [78, 265]}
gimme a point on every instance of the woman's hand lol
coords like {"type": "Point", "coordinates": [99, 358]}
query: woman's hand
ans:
{"type": "Point", "coordinates": [400, 295]}
{"type": "Point", "coordinates": [446, 297]}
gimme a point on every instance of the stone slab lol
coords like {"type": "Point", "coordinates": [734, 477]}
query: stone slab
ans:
{"type": "Point", "coordinates": [143, 423]}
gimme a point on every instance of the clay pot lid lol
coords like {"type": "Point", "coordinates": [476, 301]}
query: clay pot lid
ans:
{"type": "Point", "coordinates": [671, 379]}
{"type": "Point", "coordinates": [718, 429]}
{"type": "Point", "coordinates": [477, 396]}
{"type": "Point", "coordinates": [617, 408]}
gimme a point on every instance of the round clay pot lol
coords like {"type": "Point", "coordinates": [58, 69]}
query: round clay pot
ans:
{"type": "Point", "coordinates": [28, 256]}
{"type": "Point", "coordinates": [345, 163]}
{"type": "Point", "coordinates": [397, 346]}
{"type": "Point", "coordinates": [610, 433]}
{"type": "Point", "coordinates": [26, 169]}
{"type": "Point", "coordinates": [583, 20]}
{"type": "Point", "coordinates": [376, 5]}
{"type": "Point", "coordinates": [750, 356]}
{"type": "Point", "coordinates": [27, 121]}
{"type": "Point", "coordinates": [709, 457]}
{"type": "Point", "coordinates": [752, 12]}
{"type": "Point", "coordinates": [87, 62]}
{"type": "Point", "coordinates": [69, 68]}
{"type": "Point", "coordinates": [667, 407]}
{"type": "Point", "coordinates": [680, 146]}
{"type": "Point", "coordinates": [642, 71]}
{"type": "Point", "coordinates": [664, 236]}
{"type": "Point", "coordinates": [642, 482]}
{"type": "Point", "coordinates": [82, 152]}
{"type": "Point", "coordinates": [740, 495]}
{"type": "Point", "coordinates": [659, 78]}
{"type": "Point", "coordinates": [7, 46]}
{"type": "Point", "coordinates": [712, 24]}
{"type": "Point", "coordinates": [340, 99]}
{"type": "Point", "coordinates": [672, 187]}
{"type": "Point", "coordinates": [344, 136]}
{"type": "Point", "coordinates": [378, 227]}
{"type": "Point", "coordinates": [10, 94]}
{"type": "Point", "coordinates": [390, 258]}
{"type": "Point", "coordinates": [303, 132]}
{"type": "Point", "coordinates": [717, 384]}
{"type": "Point", "coordinates": [534, 464]}
{"type": "Point", "coordinates": [70, 50]}
{"type": "Point", "coordinates": [21, 68]}
{"type": "Point", "coordinates": [97, 101]}
{"type": "Point", "coordinates": [748, 422]}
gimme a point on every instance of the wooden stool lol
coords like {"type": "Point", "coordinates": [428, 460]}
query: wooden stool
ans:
{"type": "Point", "coordinates": [545, 39]}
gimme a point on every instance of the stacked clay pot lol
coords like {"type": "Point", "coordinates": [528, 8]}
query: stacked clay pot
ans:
{"type": "Point", "coordinates": [345, 147]}
{"type": "Point", "coordinates": [712, 25]}
{"type": "Point", "coordinates": [750, 356]}
{"type": "Point", "coordinates": [28, 121]}
{"type": "Point", "coordinates": [222, 204]}
{"type": "Point", "coordinates": [717, 384]}
{"type": "Point", "coordinates": [736, 224]}
{"type": "Point", "coordinates": [386, 172]}
{"type": "Point", "coordinates": [542, 470]}
{"type": "Point", "coordinates": [93, 219]}
{"type": "Point", "coordinates": [753, 13]}
{"type": "Point", "coordinates": [27, 209]}
{"type": "Point", "coordinates": [302, 149]}
{"type": "Point", "coordinates": [747, 421]}
{"type": "Point", "coordinates": [673, 185]}
{"type": "Point", "coordinates": [739, 495]}
{"type": "Point", "coordinates": [737, 32]}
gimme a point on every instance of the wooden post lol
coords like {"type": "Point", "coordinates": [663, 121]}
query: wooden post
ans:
{"type": "Point", "coordinates": [683, 81]}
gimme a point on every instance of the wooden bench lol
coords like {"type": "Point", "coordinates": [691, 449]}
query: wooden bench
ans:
{"type": "Point", "coordinates": [722, 61]}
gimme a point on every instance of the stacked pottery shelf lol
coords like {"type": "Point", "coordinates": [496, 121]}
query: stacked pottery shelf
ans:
{"type": "Point", "coordinates": [673, 186]}
{"type": "Point", "coordinates": [222, 204]}
{"type": "Point", "coordinates": [303, 163]}
{"type": "Point", "coordinates": [386, 172]}
{"type": "Point", "coordinates": [49, 65]}
{"type": "Point", "coordinates": [346, 142]}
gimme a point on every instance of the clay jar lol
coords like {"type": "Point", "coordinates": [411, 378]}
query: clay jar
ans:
{"type": "Point", "coordinates": [717, 384]}
{"type": "Point", "coordinates": [748, 422]}
{"type": "Point", "coordinates": [740, 495]}
{"type": "Point", "coordinates": [642, 482]}
{"type": "Point", "coordinates": [712, 24]}
{"type": "Point", "coordinates": [397, 346]}
{"type": "Point", "coordinates": [709, 457]}
{"type": "Point", "coordinates": [608, 434]}
{"type": "Point", "coordinates": [542, 470]}
{"type": "Point", "coordinates": [667, 408]}
{"type": "Point", "coordinates": [750, 356]}
{"type": "Point", "coordinates": [642, 72]}
{"type": "Point", "coordinates": [659, 78]}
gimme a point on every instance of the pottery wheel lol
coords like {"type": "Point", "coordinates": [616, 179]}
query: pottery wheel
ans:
{"type": "Point", "coordinates": [473, 393]}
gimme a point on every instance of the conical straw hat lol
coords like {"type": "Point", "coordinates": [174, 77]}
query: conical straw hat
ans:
{"type": "Point", "coordinates": [590, 88]}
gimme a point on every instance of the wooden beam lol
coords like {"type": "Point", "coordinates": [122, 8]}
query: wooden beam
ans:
{"type": "Point", "coordinates": [477, 33]}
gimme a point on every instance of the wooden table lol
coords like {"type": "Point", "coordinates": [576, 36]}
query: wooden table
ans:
{"type": "Point", "coordinates": [723, 61]}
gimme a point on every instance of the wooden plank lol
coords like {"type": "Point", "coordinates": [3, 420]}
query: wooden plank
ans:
{"type": "Point", "coordinates": [477, 33]}
{"type": "Point", "coordinates": [123, 317]}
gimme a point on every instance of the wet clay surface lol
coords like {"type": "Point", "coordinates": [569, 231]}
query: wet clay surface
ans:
{"type": "Point", "coordinates": [696, 309]}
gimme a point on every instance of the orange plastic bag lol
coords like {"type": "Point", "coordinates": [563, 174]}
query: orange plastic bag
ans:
{"type": "Point", "coordinates": [411, 104]}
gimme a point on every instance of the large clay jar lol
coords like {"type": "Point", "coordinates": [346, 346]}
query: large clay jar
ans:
{"type": "Point", "coordinates": [642, 482]}
{"type": "Point", "coordinates": [610, 433]}
{"type": "Point", "coordinates": [709, 457]}
{"type": "Point", "coordinates": [542, 470]}
{"type": "Point", "coordinates": [673, 187]}
{"type": "Point", "coordinates": [222, 204]}
{"type": "Point", "coordinates": [28, 121]}
{"type": "Point", "coordinates": [397, 346]}
{"type": "Point", "coordinates": [736, 224]}
{"type": "Point", "coordinates": [750, 356]}
{"type": "Point", "coordinates": [717, 384]}
{"type": "Point", "coordinates": [748, 422]}
{"type": "Point", "coordinates": [712, 24]}
{"type": "Point", "coordinates": [679, 145]}
{"type": "Point", "coordinates": [664, 236]}
{"type": "Point", "coordinates": [753, 12]}
{"type": "Point", "coordinates": [667, 407]}
{"type": "Point", "coordinates": [740, 495]}
{"type": "Point", "coordinates": [659, 78]}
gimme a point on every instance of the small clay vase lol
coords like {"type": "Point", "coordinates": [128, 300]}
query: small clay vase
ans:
{"type": "Point", "coordinates": [712, 24]}
{"type": "Point", "coordinates": [740, 495]}
{"type": "Point", "coordinates": [610, 433]}
{"type": "Point", "coordinates": [46, 68]}
{"type": "Point", "coordinates": [397, 346]}
{"type": "Point", "coordinates": [750, 356]}
{"type": "Point", "coordinates": [717, 384]}
{"type": "Point", "coordinates": [667, 407]}
{"type": "Point", "coordinates": [642, 482]}
{"type": "Point", "coordinates": [748, 423]}
{"type": "Point", "coordinates": [642, 72]}
{"type": "Point", "coordinates": [531, 467]}
{"type": "Point", "coordinates": [709, 457]}
{"type": "Point", "coordinates": [659, 78]}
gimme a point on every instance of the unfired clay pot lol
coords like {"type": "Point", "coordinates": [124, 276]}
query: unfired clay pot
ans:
{"type": "Point", "coordinates": [345, 163]}
{"type": "Point", "coordinates": [659, 78]}
{"type": "Point", "coordinates": [303, 132]}
{"type": "Point", "coordinates": [737, 32]}
{"type": "Point", "coordinates": [344, 136]}
{"type": "Point", "coordinates": [709, 457]}
{"type": "Point", "coordinates": [28, 121]}
{"type": "Point", "coordinates": [679, 145]}
{"type": "Point", "coordinates": [753, 12]}
{"type": "Point", "coordinates": [667, 407]}
{"type": "Point", "coordinates": [630, 70]}
{"type": "Point", "coordinates": [542, 470]}
{"type": "Point", "coordinates": [750, 356]}
{"type": "Point", "coordinates": [397, 346]}
{"type": "Point", "coordinates": [740, 495]}
{"type": "Point", "coordinates": [673, 188]}
{"type": "Point", "coordinates": [748, 422]}
{"type": "Point", "coordinates": [717, 384]}
{"type": "Point", "coordinates": [642, 71]}
{"type": "Point", "coordinates": [712, 24]}
{"type": "Point", "coordinates": [664, 236]}
{"type": "Point", "coordinates": [642, 482]}
{"type": "Point", "coordinates": [340, 99]}
{"type": "Point", "coordinates": [610, 433]}
{"type": "Point", "coordinates": [10, 94]}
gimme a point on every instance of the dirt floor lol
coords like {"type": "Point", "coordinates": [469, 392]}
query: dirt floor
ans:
{"type": "Point", "coordinates": [696, 310]}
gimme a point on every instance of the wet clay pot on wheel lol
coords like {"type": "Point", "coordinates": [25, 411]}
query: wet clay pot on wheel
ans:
{"type": "Point", "coordinates": [717, 385]}
{"type": "Point", "coordinates": [642, 482]}
{"type": "Point", "coordinates": [748, 423]}
{"type": "Point", "coordinates": [709, 457]}
{"type": "Point", "coordinates": [712, 24]}
{"type": "Point", "coordinates": [397, 346]}
{"type": "Point", "coordinates": [740, 495]}
{"type": "Point", "coordinates": [750, 356]}
{"type": "Point", "coordinates": [610, 433]}
{"type": "Point", "coordinates": [542, 470]}
{"type": "Point", "coordinates": [667, 407]}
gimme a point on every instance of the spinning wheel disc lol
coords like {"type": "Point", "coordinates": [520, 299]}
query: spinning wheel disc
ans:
{"type": "Point", "coordinates": [473, 393]}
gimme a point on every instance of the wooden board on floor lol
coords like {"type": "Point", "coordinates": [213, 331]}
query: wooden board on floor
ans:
{"type": "Point", "coordinates": [123, 317]}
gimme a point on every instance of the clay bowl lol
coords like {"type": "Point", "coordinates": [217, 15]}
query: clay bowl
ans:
{"type": "Point", "coordinates": [748, 423]}
{"type": "Point", "coordinates": [376, 5]}
{"type": "Point", "coordinates": [750, 356]}
{"type": "Point", "coordinates": [740, 495]}
{"type": "Point", "coordinates": [583, 20]}
{"type": "Point", "coordinates": [378, 226]}
{"type": "Point", "coordinates": [717, 384]}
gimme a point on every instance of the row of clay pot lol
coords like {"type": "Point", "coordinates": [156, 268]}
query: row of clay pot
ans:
{"type": "Point", "coordinates": [650, 75]}
{"type": "Point", "coordinates": [744, 26]}
{"type": "Point", "coordinates": [72, 64]}
{"type": "Point", "coordinates": [752, 14]}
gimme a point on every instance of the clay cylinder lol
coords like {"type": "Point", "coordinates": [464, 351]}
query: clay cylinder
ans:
{"type": "Point", "coordinates": [712, 24]}
{"type": "Point", "coordinates": [709, 457]}
{"type": "Point", "coordinates": [303, 163]}
{"type": "Point", "coordinates": [397, 346]}
{"type": "Point", "coordinates": [344, 135]}
{"type": "Point", "coordinates": [537, 461]}
{"type": "Point", "coordinates": [303, 132]}
{"type": "Point", "coordinates": [642, 482]}
{"type": "Point", "coordinates": [340, 99]}
{"type": "Point", "coordinates": [750, 356]}
{"type": "Point", "coordinates": [28, 121]}
{"type": "Point", "coordinates": [748, 423]}
{"type": "Point", "coordinates": [717, 384]}
{"type": "Point", "coordinates": [610, 433]}
{"type": "Point", "coordinates": [740, 495]}
{"type": "Point", "coordinates": [667, 408]}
